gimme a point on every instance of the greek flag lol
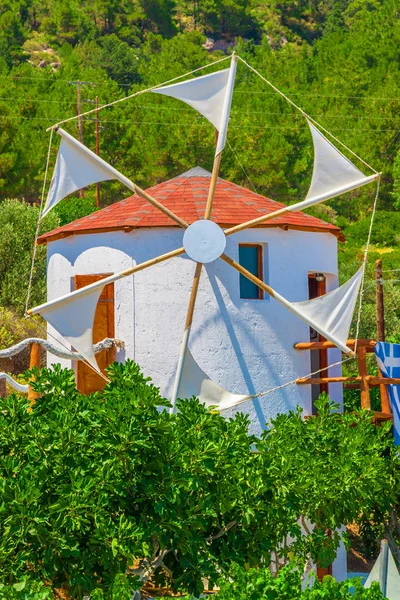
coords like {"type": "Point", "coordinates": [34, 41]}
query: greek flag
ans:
{"type": "Point", "coordinates": [388, 359]}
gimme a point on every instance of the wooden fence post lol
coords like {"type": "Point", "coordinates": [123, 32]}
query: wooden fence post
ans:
{"type": "Point", "coordinates": [34, 361]}
{"type": "Point", "coordinates": [362, 370]}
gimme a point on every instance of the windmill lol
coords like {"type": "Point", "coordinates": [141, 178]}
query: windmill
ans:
{"type": "Point", "coordinates": [204, 240]}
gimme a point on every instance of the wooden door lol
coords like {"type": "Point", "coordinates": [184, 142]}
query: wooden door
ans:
{"type": "Point", "coordinates": [88, 380]}
{"type": "Point", "coordinates": [319, 358]}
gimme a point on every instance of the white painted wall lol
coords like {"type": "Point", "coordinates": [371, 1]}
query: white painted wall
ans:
{"type": "Point", "coordinates": [244, 345]}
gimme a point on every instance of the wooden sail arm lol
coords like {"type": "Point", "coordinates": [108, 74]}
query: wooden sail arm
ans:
{"type": "Point", "coordinates": [288, 305]}
{"type": "Point", "coordinates": [107, 280]}
{"type": "Point", "coordinates": [299, 205]}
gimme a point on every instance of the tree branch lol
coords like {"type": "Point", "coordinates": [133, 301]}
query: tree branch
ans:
{"type": "Point", "coordinates": [304, 524]}
{"type": "Point", "coordinates": [222, 532]}
{"type": "Point", "coordinates": [148, 567]}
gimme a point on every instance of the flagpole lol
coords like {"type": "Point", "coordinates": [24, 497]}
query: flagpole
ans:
{"type": "Point", "coordinates": [207, 214]}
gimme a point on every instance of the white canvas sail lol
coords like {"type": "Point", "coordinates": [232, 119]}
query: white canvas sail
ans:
{"type": "Point", "coordinates": [73, 319]}
{"type": "Point", "coordinates": [332, 313]}
{"type": "Point", "coordinates": [194, 382]}
{"type": "Point", "coordinates": [77, 167]}
{"type": "Point", "coordinates": [385, 573]}
{"type": "Point", "coordinates": [333, 173]}
{"type": "Point", "coordinates": [210, 95]}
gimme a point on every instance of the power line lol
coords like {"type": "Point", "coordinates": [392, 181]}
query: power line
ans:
{"type": "Point", "coordinates": [234, 112]}
{"type": "Point", "coordinates": [202, 122]}
{"type": "Point", "coordinates": [56, 80]}
{"type": "Point", "coordinates": [292, 93]}
{"type": "Point", "coordinates": [237, 91]}
{"type": "Point", "coordinates": [35, 101]}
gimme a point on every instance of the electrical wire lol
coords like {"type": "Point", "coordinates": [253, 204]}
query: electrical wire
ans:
{"type": "Point", "coordinates": [16, 78]}
{"type": "Point", "coordinates": [203, 123]}
{"type": "Point", "coordinates": [176, 109]}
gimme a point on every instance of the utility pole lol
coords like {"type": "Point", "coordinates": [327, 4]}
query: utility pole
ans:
{"type": "Point", "coordinates": [79, 109]}
{"type": "Point", "coordinates": [78, 92]}
{"type": "Point", "coordinates": [97, 150]}
{"type": "Point", "coordinates": [380, 309]}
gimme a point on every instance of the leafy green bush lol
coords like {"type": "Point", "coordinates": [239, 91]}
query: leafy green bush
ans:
{"type": "Point", "coordinates": [26, 590]}
{"type": "Point", "coordinates": [94, 486]}
{"type": "Point", "coordinates": [103, 492]}
{"type": "Point", "coordinates": [253, 584]}
{"type": "Point", "coordinates": [258, 584]}
{"type": "Point", "coordinates": [75, 207]}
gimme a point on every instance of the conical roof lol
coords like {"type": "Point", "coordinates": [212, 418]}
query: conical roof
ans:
{"type": "Point", "coordinates": [186, 195]}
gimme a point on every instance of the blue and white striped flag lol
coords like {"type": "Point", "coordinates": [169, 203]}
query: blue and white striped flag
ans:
{"type": "Point", "coordinates": [388, 359]}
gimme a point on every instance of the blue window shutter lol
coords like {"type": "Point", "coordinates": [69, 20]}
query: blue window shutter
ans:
{"type": "Point", "coordinates": [249, 259]}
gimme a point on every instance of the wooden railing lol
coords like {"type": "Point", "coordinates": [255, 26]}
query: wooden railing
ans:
{"type": "Point", "coordinates": [363, 381]}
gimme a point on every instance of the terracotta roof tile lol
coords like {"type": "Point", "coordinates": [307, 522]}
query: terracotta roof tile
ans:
{"type": "Point", "coordinates": [186, 195]}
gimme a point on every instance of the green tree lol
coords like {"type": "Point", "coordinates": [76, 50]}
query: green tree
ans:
{"type": "Point", "coordinates": [18, 223]}
{"type": "Point", "coordinates": [96, 487]}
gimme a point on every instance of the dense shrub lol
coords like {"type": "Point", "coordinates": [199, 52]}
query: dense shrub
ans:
{"type": "Point", "coordinates": [253, 584]}
{"type": "Point", "coordinates": [258, 584]}
{"type": "Point", "coordinates": [102, 492]}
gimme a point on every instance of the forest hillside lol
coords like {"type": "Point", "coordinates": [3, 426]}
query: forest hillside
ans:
{"type": "Point", "coordinates": [337, 59]}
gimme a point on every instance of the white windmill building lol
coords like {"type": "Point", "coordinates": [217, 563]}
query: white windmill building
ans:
{"type": "Point", "coordinates": [240, 337]}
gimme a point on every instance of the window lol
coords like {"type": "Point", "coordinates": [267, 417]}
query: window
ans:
{"type": "Point", "coordinates": [251, 258]}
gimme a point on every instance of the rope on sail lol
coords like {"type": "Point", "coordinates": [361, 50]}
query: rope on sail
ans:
{"type": "Point", "coordinates": [286, 384]}
{"type": "Point", "coordinates": [87, 363]}
{"type": "Point", "coordinates": [38, 224]}
{"type": "Point", "coordinates": [365, 259]}
{"type": "Point", "coordinates": [89, 112]}
{"type": "Point", "coordinates": [82, 359]}
{"type": "Point", "coordinates": [306, 115]}
{"type": "Point", "coordinates": [105, 344]}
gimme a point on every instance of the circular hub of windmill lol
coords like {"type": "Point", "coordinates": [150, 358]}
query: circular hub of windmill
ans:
{"type": "Point", "coordinates": [204, 241]}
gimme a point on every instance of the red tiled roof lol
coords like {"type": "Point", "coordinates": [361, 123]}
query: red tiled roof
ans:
{"type": "Point", "coordinates": [186, 196]}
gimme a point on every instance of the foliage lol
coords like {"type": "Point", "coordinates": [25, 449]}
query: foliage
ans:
{"type": "Point", "coordinates": [18, 225]}
{"type": "Point", "coordinates": [26, 590]}
{"type": "Point", "coordinates": [242, 584]}
{"type": "Point", "coordinates": [75, 208]}
{"type": "Point", "coordinates": [325, 486]}
{"type": "Point", "coordinates": [13, 329]}
{"type": "Point", "coordinates": [258, 584]}
{"type": "Point", "coordinates": [101, 481]}
{"type": "Point", "coordinates": [97, 486]}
